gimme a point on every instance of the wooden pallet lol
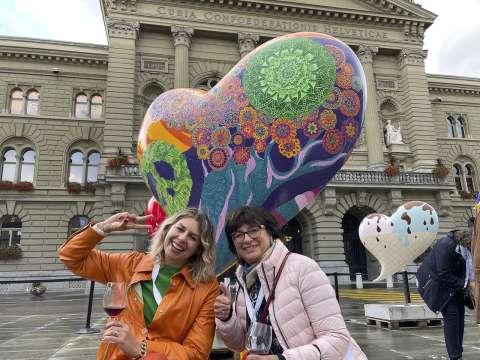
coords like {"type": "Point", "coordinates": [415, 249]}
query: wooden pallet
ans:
{"type": "Point", "coordinates": [399, 324]}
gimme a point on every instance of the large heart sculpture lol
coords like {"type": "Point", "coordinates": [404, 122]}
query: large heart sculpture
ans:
{"type": "Point", "coordinates": [271, 133]}
{"type": "Point", "coordinates": [399, 239]}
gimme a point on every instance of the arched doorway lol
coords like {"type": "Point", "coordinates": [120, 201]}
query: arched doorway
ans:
{"type": "Point", "coordinates": [292, 236]}
{"type": "Point", "coordinates": [357, 257]}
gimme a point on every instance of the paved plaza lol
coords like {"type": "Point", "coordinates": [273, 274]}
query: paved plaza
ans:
{"type": "Point", "coordinates": [44, 328]}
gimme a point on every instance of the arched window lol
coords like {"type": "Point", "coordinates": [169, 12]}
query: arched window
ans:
{"type": "Point", "coordinates": [75, 173]}
{"type": "Point", "coordinates": [10, 231]}
{"type": "Point", "coordinates": [451, 126]}
{"type": "Point", "coordinates": [464, 175]}
{"type": "Point", "coordinates": [9, 165]}
{"type": "Point", "coordinates": [81, 106]}
{"type": "Point", "coordinates": [33, 98]}
{"type": "Point", "coordinates": [208, 83]}
{"type": "Point", "coordinates": [457, 174]}
{"type": "Point", "coordinates": [16, 102]}
{"type": "Point", "coordinates": [96, 107]}
{"type": "Point", "coordinates": [150, 93]}
{"type": "Point", "coordinates": [27, 166]}
{"type": "Point", "coordinates": [93, 162]}
{"type": "Point", "coordinates": [460, 127]}
{"type": "Point", "coordinates": [469, 175]}
{"type": "Point", "coordinates": [76, 223]}
{"type": "Point", "coordinates": [82, 168]}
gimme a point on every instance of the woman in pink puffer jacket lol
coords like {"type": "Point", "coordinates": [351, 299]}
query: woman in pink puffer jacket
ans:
{"type": "Point", "coordinates": [304, 314]}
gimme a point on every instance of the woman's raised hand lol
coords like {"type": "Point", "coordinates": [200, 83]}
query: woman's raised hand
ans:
{"type": "Point", "coordinates": [123, 221]}
{"type": "Point", "coordinates": [223, 303]}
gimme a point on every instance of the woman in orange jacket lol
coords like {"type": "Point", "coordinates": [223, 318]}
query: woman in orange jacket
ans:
{"type": "Point", "coordinates": [171, 290]}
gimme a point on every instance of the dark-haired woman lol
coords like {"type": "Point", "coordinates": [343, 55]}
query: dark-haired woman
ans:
{"type": "Point", "coordinates": [304, 313]}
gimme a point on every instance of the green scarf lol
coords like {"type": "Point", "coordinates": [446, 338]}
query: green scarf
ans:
{"type": "Point", "coordinates": [251, 270]}
{"type": "Point", "coordinates": [150, 306]}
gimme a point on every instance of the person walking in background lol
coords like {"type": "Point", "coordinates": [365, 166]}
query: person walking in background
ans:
{"type": "Point", "coordinates": [476, 258]}
{"type": "Point", "coordinates": [171, 290]}
{"type": "Point", "coordinates": [443, 278]}
{"type": "Point", "coordinates": [303, 312]}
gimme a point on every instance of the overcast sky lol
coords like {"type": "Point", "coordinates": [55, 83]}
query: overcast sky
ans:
{"type": "Point", "coordinates": [452, 41]}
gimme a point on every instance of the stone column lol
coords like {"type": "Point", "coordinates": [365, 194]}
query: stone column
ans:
{"type": "Point", "coordinates": [181, 42]}
{"type": "Point", "coordinates": [247, 42]}
{"type": "Point", "coordinates": [419, 124]}
{"type": "Point", "coordinates": [373, 132]}
{"type": "Point", "coordinates": [120, 93]}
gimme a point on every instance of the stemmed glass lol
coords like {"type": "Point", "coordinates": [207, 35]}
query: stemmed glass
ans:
{"type": "Point", "coordinates": [259, 339]}
{"type": "Point", "coordinates": [114, 301]}
{"type": "Point", "coordinates": [115, 298]}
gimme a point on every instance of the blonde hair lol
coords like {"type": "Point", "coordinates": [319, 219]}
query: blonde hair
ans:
{"type": "Point", "coordinates": [203, 263]}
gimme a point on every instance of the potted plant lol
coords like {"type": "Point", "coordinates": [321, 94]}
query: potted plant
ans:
{"type": "Point", "coordinates": [37, 289]}
{"type": "Point", "coordinates": [11, 253]}
{"type": "Point", "coordinates": [441, 170]}
{"type": "Point", "coordinates": [117, 162]}
{"type": "Point", "coordinates": [6, 185]}
{"type": "Point", "coordinates": [74, 188]}
{"type": "Point", "coordinates": [89, 187]}
{"type": "Point", "coordinates": [24, 186]}
{"type": "Point", "coordinates": [392, 169]}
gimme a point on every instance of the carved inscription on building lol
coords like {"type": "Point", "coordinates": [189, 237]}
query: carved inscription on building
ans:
{"type": "Point", "coordinates": [268, 23]}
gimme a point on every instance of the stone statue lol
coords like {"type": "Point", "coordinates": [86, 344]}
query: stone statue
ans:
{"type": "Point", "coordinates": [392, 135]}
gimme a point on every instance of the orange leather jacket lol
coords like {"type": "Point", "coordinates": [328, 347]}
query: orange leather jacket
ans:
{"type": "Point", "coordinates": [183, 326]}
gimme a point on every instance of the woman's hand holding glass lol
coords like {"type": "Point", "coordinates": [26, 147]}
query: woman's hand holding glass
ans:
{"type": "Point", "coordinates": [120, 334]}
{"type": "Point", "coordinates": [223, 303]}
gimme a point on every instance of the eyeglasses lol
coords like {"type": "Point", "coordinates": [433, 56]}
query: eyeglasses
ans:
{"type": "Point", "coordinates": [239, 236]}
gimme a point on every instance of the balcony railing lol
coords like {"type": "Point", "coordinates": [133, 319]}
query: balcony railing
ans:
{"type": "Point", "coordinates": [129, 170]}
{"type": "Point", "coordinates": [380, 178]}
{"type": "Point", "coordinates": [352, 177]}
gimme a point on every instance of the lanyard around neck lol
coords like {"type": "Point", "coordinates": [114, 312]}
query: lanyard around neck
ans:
{"type": "Point", "coordinates": [156, 292]}
{"type": "Point", "coordinates": [252, 311]}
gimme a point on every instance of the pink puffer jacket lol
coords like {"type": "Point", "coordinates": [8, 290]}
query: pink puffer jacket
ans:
{"type": "Point", "coordinates": [305, 314]}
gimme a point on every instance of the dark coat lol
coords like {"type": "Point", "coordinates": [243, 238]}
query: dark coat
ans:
{"type": "Point", "coordinates": [441, 274]}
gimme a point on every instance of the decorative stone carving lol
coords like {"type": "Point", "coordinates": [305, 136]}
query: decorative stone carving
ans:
{"type": "Point", "coordinates": [445, 203]}
{"type": "Point", "coordinates": [412, 57]}
{"type": "Point", "coordinates": [362, 198]}
{"type": "Point", "coordinates": [329, 200]}
{"type": "Point", "coordinates": [395, 198]}
{"type": "Point", "coordinates": [123, 5]}
{"type": "Point", "coordinates": [181, 35]}
{"type": "Point", "coordinates": [392, 134]}
{"type": "Point", "coordinates": [366, 53]}
{"type": "Point", "coordinates": [118, 195]}
{"type": "Point", "coordinates": [123, 28]}
{"type": "Point", "coordinates": [247, 42]}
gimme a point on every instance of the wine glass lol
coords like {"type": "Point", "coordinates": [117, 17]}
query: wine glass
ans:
{"type": "Point", "coordinates": [259, 339]}
{"type": "Point", "coordinates": [115, 298]}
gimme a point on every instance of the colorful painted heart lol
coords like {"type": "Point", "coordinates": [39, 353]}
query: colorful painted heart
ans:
{"type": "Point", "coordinates": [398, 240]}
{"type": "Point", "coordinates": [272, 132]}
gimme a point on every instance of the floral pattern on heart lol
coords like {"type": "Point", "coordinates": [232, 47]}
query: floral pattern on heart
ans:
{"type": "Point", "coordinates": [271, 133]}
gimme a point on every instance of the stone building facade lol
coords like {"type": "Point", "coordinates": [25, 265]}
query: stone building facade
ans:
{"type": "Point", "coordinates": [68, 111]}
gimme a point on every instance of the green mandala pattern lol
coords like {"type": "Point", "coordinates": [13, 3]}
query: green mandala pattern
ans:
{"type": "Point", "coordinates": [176, 192]}
{"type": "Point", "coordinates": [290, 78]}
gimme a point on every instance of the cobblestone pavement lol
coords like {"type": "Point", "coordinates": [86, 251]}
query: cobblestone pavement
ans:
{"type": "Point", "coordinates": [44, 328]}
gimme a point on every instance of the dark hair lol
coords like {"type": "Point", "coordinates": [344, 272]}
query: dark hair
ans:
{"type": "Point", "coordinates": [250, 215]}
{"type": "Point", "coordinates": [463, 237]}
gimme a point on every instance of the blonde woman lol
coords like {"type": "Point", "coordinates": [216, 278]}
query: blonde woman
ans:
{"type": "Point", "coordinates": [171, 290]}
